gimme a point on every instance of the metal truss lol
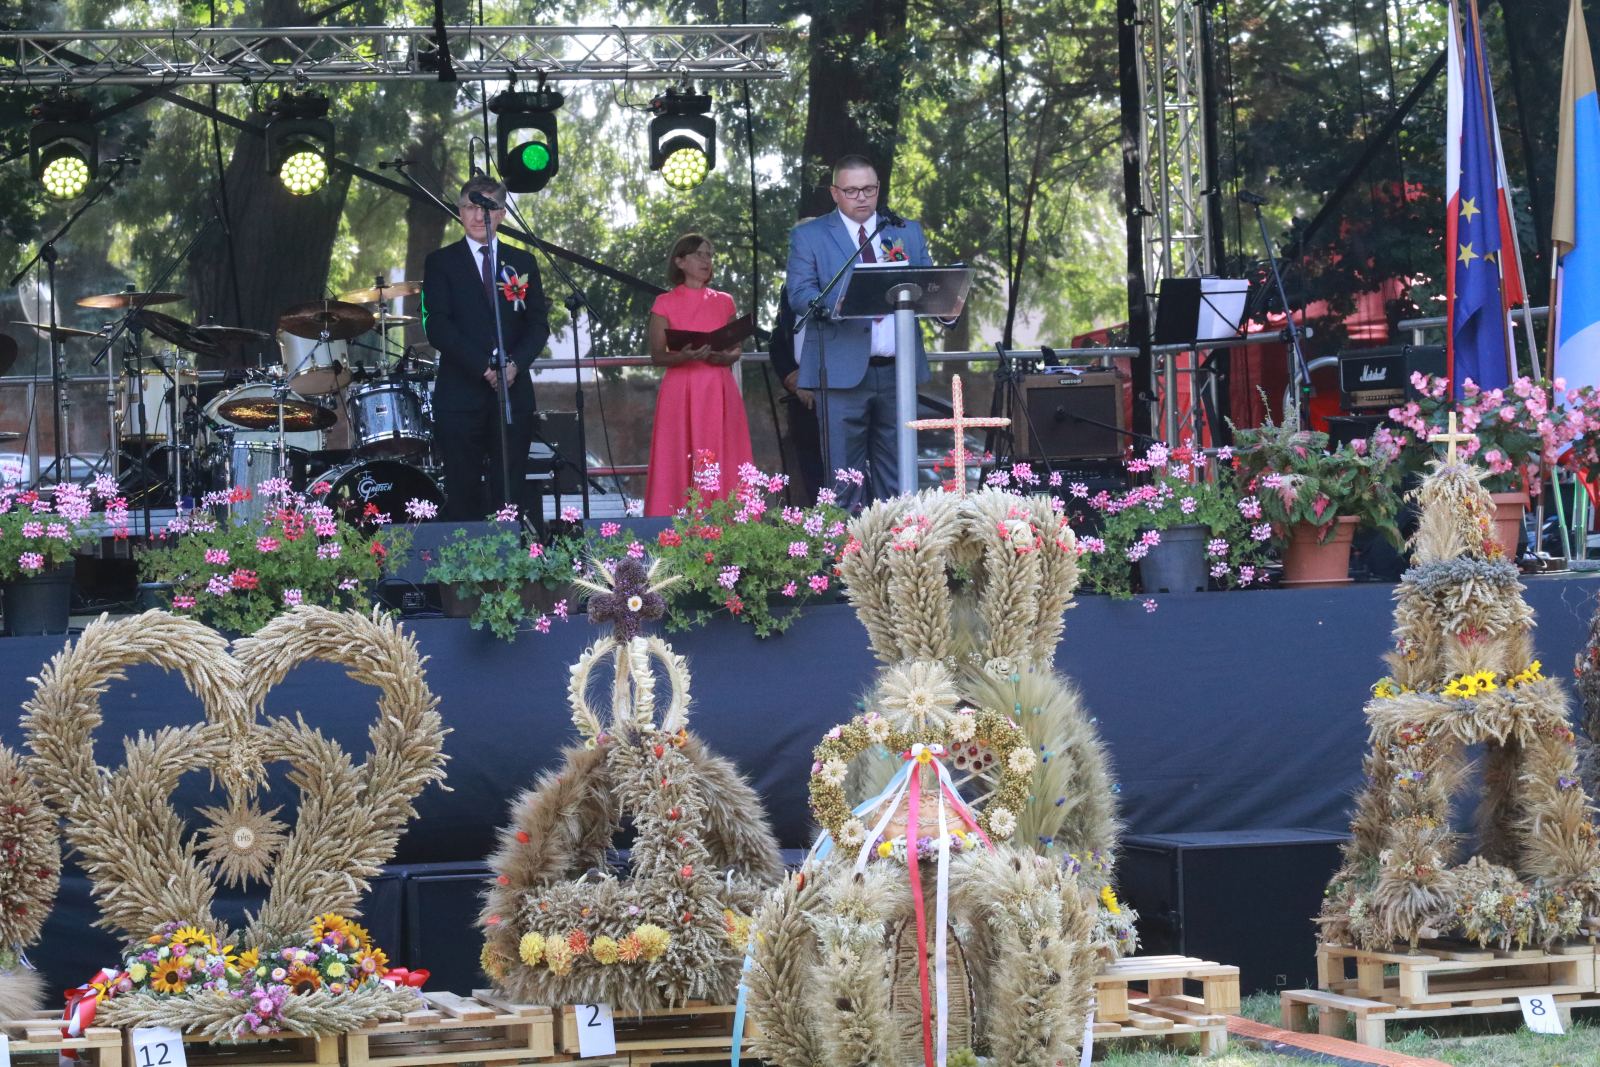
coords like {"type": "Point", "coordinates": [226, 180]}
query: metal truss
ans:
{"type": "Point", "coordinates": [1172, 143]}
{"type": "Point", "coordinates": [203, 56]}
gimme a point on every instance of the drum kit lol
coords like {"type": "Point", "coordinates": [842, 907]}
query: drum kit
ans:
{"type": "Point", "coordinates": [346, 406]}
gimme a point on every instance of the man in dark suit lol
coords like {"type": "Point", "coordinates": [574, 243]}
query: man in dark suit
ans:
{"type": "Point", "coordinates": [461, 285]}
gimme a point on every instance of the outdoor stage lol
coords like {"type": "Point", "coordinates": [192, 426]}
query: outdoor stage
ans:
{"type": "Point", "coordinates": [1222, 711]}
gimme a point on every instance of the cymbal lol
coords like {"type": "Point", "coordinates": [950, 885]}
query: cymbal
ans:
{"type": "Point", "coordinates": [261, 413]}
{"type": "Point", "coordinates": [10, 435]}
{"type": "Point", "coordinates": [128, 300]}
{"type": "Point", "coordinates": [341, 321]}
{"type": "Point", "coordinates": [230, 335]}
{"type": "Point", "coordinates": [63, 333]}
{"type": "Point", "coordinates": [176, 331]}
{"type": "Point", "coordinates": [387, 291]}
{"type": "Point", "coordinates": [401, 320]}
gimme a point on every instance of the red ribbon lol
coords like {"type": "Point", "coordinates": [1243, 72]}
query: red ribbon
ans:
{"type": "Point", "coordinates": [83, 1001]}
{"type": "Point", "coordinates": [400, 976]}
{"type": "Point", "coordinates": [914, 806]}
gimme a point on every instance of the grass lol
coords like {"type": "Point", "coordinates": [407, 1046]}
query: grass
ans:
{"type": "Point", "coordinates": [1472, 1041]}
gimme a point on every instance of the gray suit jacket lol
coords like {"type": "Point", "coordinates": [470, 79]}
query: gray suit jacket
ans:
{"type": "Point", "coordinates": [816, 248]}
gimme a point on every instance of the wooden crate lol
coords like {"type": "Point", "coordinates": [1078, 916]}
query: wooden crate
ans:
{"type": "Point", "coordinates": [1174, 997]}
{"type": "Point", "coordinates": [482, 1028]}
{"type": "Point", "coordinates": [1446, 974]}
{"type": "Point", "coordinates": [694, 1032]}
{"type": "Point", "coordinates": [283, 1050]}
{"type": "Point", "coordinates": [1372, 1017]}
{"type": "Point", "coordinates": [38, 1043]}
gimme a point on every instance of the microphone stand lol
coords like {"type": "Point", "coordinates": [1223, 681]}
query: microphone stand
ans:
{"type": "Point", "coordinates": [1299, 374]}
{"type": "Point", "coordinates": [817, 310]}
{"type": "Point", "coordinates": [58, 373]}
{"type": "Point", "coordinates": [574, 300]}
{"type": "Point", "coordinates": [504, 406]}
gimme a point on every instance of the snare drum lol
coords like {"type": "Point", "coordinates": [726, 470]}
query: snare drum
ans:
{"type": "Point", "coordinates": [303, 440]}
{"type": "Point", "coordinates": [245, 465]}
{"type": "Point", "coordinates": [386, 484]}
{"type": "Point", "coordinates": [386, 419]}
{"type": "Point", "coordinates": [315, 367]}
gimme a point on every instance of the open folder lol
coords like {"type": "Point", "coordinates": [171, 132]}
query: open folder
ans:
{"type": "Point", "coordinates": [720, 339]}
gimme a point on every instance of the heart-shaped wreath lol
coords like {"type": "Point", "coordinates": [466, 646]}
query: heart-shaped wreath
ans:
{"type": "Point", "coordinates": [154, 881]}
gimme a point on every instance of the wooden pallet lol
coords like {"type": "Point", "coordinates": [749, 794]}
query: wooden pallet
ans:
{"type": "Point", "coordinates": [689, 1034]}
{"type": "Point", "coordinates": [482, 1028]}
{"type": "Point", "coordinates": [1446, 974]}
{"type": "Point", "coordinates": [38, 1043]}
{"type": "Point", "coordinates": [1154, 996]}
{"type": "Point", "coordinates": [284, 1050]}
{"type": "Point", "coordinates": [1372, 1017]}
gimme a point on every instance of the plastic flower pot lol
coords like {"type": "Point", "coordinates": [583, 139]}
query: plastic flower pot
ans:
{"type": "Point", "coordinates": [39, 603]}
{"type": "Point", "coordinates": [1178, 563]}
{"type": "Point", "coordinates": [1508, 511]}
{"type": "Point", "coordinates": [1308, 562]}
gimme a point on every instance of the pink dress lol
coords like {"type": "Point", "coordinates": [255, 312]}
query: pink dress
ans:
{"type": "Point", "coordinates": [698, 409]}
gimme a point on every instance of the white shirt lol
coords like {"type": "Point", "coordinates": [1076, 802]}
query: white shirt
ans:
{"type": "Point", "coordinates": [477, 255]}
{"type": "Point", "coordinates": [883, 327]}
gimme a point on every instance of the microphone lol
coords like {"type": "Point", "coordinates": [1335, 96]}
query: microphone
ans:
{"type": "Point", "coordinates": [1247, 197]}
{"type": "Point", "coordinates": [472, 156]}
{"type": "Point", "coordinates": [483, 201]}
{"type": "Point", "coordinates": [394, 164]}
{"type": "Point", "coordinates": [134, 160]}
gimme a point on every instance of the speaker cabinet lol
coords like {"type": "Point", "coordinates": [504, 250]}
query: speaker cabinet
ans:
{"type": "Point", "coordinates": [1245, 897]}
{"type": "Point", "coordinates": [1074, 416]}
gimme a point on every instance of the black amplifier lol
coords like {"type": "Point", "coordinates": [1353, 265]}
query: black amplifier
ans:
{"type": "Point", "coordinates": [1376, 379]}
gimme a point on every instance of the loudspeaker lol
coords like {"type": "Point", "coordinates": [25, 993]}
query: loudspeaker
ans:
{"type": "Point", "coordinates": [1245, 897]}
{"type": "Point", "coordinates": [1073, 416]}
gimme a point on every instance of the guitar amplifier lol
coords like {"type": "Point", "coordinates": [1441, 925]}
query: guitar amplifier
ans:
{"type": "Point", "coordinates": [1376, 379]}
{"type": "Point", "coordinates": [1074, 416]}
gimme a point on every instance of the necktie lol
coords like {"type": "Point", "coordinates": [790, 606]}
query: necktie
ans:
{"type": "Point", "coordinates": [867, 255]}
{"type": "Point", "coordinates": [488, 274]}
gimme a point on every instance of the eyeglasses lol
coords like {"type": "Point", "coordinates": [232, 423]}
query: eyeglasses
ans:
{"type": "Point", "coordinates": [857, 192]}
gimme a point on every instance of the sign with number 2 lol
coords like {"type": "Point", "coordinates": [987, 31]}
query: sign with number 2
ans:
{"type": "Point", "coordinates": [597, 1036]}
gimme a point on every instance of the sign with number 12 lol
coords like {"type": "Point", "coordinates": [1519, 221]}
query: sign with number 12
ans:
{"type": "Point", "coordinates": [158, 1046]}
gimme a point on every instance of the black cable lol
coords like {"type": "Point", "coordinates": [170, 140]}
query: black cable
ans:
{"type": "Point", "coordinates": [1012, 266]}
{"type": "Point", "coordinates": [755, 242]}
{"type": "Point", "coordinates": [222, 196]}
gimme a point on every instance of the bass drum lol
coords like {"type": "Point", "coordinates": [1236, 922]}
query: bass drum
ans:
{"type": "Point", "coordinates": [386, 484]}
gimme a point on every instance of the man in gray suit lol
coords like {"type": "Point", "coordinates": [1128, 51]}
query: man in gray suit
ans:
{"type": "Point", "coordinates": [862, 424]}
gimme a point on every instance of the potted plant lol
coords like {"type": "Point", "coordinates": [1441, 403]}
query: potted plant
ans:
{"type": "Point", "coordinates": [1517, 431]}
{"type": "Point", "coordinates": [38, 530]}
{"type": "Point", "coordinates": [237, 575]}
{"type": "Point", "coordinates": [748, 555]}
{"type": "Point", "coordinates": [1315, 497]}
{"type": "Point", "coordinates": [1183, 528]}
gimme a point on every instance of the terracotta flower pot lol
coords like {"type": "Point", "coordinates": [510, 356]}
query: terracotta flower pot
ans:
{"type": "Point", "coordinates": [1508, 509]}
{"type": "Point", "coordinates": [1308, 563]}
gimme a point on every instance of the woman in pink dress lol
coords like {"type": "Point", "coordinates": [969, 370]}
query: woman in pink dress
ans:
{"type": "Point", "coordinates": [699, 409]}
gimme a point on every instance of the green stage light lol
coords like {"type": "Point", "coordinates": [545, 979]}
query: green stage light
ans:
{"type": "Point", "coordinates": [299, 142]}
{"type": "Point", "coordinates": [683, 138]}
{"type": "Point", "coordinates": [65, 176]}
{"type": "Point", "coordinates": [63, 147]}
{"type": "Point", "coordinates": [527, 146]}
{"type": "Point", "coordinates": [303, 171]}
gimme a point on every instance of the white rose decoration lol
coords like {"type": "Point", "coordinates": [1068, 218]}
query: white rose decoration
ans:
{"type": "Point", "coordinates": [1021, 759]}
{"type": "Point", "coordinates": [963, 725]}
{"type": "Point", "coordinates": [852, 833]}
{"type": "Point", "coordinates": [1002, 823]}
{"type": "Point", "coordinates": [833, 772]}
{"type": "Point", "coordinates": [878, 729]}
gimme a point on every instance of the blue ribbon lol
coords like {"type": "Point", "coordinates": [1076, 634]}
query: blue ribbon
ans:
{"type": "Point", "coordinates": [824, 843]}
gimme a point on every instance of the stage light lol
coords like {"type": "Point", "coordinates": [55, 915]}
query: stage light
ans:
{"type": "Point", "coordinates": [299, 141]}
{"type": "Point", "coordinates": [683, 137]}
{"type": "Point", "coordinates": [528, 150]}
{"type": "Point", "coordinates": [63, 147]}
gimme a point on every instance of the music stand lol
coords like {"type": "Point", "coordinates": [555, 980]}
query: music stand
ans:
{"type": "Point", "coordinates": [1196, 313]}
{"type": "Point", "coordinates": [908, 293]}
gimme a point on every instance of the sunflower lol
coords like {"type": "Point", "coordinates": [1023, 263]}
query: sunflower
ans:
{"type": "Point", "coordinates": [356, 936]}
{"type": "Point", "coordinates": [248, 960]}
{"type": "Point", "coordinates": [303, 979]}
{"type": "Point", "coordinates": [166, 977]}
{"type": "Point", "coordinates": [917, 696]}
{"type": "Point", "coordinates": [193, 935]}
{"type": "Point", "coordinates": [241, 841]}
{"type": "Point", "coordinates": [329, 924]}
{"type": "Point", "coordinates": [371, 963]}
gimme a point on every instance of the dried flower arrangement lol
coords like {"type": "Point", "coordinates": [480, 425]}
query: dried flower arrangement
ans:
{"type": "Point", "coordinates": [1463, 673]}
{"type": "Point", "coordinates": [955, 917]}
{"type": "Point", "coordinates": [30, 872]}
{"type": "Point", "coordinates": [674, 929]}
{"type": "Point", "coordinates": [154, 882]}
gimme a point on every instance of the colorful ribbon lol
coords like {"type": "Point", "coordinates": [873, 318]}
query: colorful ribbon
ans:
{"type": "Point", "coordinates": [395, 977]}
{"type": "Point", "coordinates": [82, 1003]}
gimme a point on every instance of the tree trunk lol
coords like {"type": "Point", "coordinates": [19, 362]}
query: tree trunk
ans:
{"type": "Point", "coordinates": [855, 81]}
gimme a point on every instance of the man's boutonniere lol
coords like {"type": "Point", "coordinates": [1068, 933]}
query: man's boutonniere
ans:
{"type": "Point", "coordinates": [514, 287]}
{"type": "Point", "coordinates": [894, 250]}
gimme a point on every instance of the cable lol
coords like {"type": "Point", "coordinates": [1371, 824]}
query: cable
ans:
{"type": "Point", "coordinates": [222, 197]}
{"type": "Point", "coordinates": [1012, 271]}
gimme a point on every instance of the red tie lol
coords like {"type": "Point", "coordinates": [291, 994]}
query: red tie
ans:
{"type": "Point", "coordinates": [867, 255]}
{"type": "Point", "coordinates": [488, 274]}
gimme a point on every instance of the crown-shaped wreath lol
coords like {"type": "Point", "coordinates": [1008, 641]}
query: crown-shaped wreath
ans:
{"type": "Point", "coordinates": [1463, 672]}
{"type": "Point", "coordinates": [301, 963]}
{"type": "Point", "coordinates": [560, 925]}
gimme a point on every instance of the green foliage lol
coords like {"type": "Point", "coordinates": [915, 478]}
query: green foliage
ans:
{"type": "Point", "coordinates": [1297, 478]}
{"type": "Point", "coordinates": [498, 568]}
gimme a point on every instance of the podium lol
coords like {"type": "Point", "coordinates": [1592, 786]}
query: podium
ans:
{"type": "Point", "coordinates": [909, 294]}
